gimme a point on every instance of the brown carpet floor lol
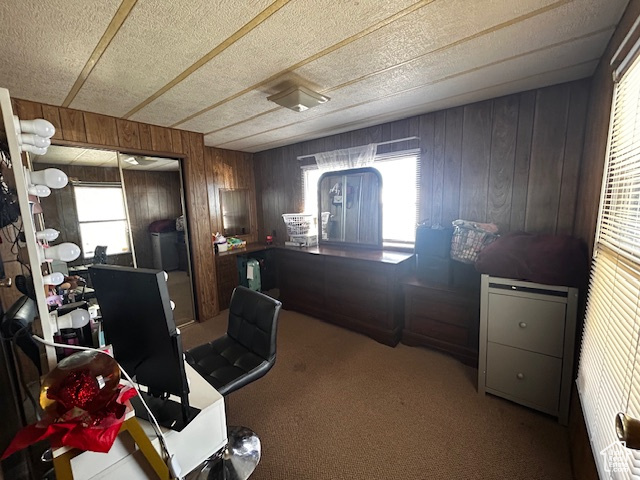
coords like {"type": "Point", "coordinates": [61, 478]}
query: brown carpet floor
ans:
{"type": "Point", "coordinates": [338, 405]}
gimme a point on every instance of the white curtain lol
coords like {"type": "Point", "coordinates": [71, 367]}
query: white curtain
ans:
{"type": "Point", "coordinates": [346, 158]}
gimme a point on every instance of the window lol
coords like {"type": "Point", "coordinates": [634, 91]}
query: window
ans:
{"type": "Point", "coordinates": [102, 219]}
{"type": "Point", "coordinates": [399, 195]}
{"type": "Point", "coordinates": [609, 370]}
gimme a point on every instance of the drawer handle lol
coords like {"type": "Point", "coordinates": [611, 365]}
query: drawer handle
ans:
{"type": "Point", "coordinates": [520, 376]}
{"type": "Point", "coordinates": [523, 325]}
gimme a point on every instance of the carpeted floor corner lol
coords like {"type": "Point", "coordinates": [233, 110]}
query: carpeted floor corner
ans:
{"type": "Point", "coordinates": [338, 405]}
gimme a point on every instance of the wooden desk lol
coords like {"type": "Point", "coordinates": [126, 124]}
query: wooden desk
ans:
{"type": "Point", "coordinates": [205, 435]}
{"type": "Point", "coordinates": [359, 289]}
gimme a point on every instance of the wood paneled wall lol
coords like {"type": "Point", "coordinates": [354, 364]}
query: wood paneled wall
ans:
{"type": "Point", "coordinates": [513, 160]}
{"type": "Point", "coordinates": [227, 169]}
{"type": "Point", "coordinates": [151, 196]}
{"type": "Point", "coordinates": [59, 208]}
{"type": "Point", "coordinates": [78, 128]}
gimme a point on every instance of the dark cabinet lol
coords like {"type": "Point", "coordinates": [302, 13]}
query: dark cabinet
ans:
{"type": "Point", "coordinates": [357, 289]}
{"type": "Point", "coordinates": [442, 317]}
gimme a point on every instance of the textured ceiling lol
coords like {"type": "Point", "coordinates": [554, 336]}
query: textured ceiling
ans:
{"type": "Point", "coordinates": [90, 157]}
{"type": "Point", "coordinates": [208, 66]}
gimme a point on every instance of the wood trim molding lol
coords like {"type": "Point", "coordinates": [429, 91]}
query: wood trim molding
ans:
{"type": "Point", "coordinates": [90, 130]}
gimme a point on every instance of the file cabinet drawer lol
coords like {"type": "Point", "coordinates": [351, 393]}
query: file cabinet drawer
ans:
{"type": "Point", "coordinates": [530, 377]}
{"type": "Point", "coordinates": [534, 325]}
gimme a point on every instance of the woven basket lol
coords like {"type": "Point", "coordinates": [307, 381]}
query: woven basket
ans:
{"type": "Point", "coordinates": [467, 242]}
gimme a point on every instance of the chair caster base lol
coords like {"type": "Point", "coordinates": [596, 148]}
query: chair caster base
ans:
{"type": "Point", "coordinates": [238, 459]}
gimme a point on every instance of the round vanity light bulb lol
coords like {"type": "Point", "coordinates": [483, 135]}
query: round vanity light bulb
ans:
{"type": "Point", "coordinates": [33, 149]}
{"type": "Point", "coordinates": [31, 139]}
{"type": "Point", "coordinates": [48, 234]}
{"type": "Point", "coordinates": [173, 304]}
{"type": "Point", "coordinates": [39, 190]}
{"type": "Point", "coordinates": [39, 126]}
{"type": "Point", "coordinates": [55, 278]}
{"type": "Point", "coordinates": [76, 319]}
{"type": "Point", "coordinates": [166, 276]}
{"type": "Point", "coordinates": [51, 177]}
{"type": "Point", "coordinates": [67, 252]}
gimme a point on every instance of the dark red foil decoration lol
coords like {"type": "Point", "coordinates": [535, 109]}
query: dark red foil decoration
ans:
{"type": "Point", "coordinates": [84, 405]}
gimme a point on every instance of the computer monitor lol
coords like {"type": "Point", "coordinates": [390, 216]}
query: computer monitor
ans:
{"type": "Point", "coordinates": [138, 322]}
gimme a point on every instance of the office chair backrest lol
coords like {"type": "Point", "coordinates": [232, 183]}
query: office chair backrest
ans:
{"type": "Point", "coordinates": [251, 321]}
{"type": "Point", "coordinates": [100, 255]}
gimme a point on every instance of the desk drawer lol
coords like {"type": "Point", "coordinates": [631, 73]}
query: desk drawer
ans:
{"type": "Point", "coordinates": [530, 377]}
{"type": "Point", "coordinates": [534, 325]}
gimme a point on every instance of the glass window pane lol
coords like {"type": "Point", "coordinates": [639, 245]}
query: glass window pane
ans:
{"type": "Point", "coordinates": [112, 234]}
{"type": "Point", "coordinates": [99, 203]}
{"type": "Point", "coordinates": [399, 196]}
{"type": "Point", "coordinates": [311, 177]}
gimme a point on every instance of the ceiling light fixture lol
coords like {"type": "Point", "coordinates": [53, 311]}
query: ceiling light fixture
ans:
{"type": "Point", "coordinates": [298, 99]}
{"type": "Point", "coordinates": [139, 160]}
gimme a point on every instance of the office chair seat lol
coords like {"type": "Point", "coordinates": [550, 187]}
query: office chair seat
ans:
{"type": "Point", "coordinates": [247, 351]}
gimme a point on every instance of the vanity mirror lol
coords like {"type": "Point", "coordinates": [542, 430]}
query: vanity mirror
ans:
{"type": "Point", "coordinates": [234, 204]}
{"type": "Point", "coordinates": [349, 204]}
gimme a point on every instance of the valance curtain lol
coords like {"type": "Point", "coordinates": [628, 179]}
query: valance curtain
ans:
{"type": "Point", "coordinates": [346, 158]}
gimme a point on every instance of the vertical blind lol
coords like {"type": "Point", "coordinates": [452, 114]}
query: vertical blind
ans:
{"type": "Point", "coordinates": [609, 374]}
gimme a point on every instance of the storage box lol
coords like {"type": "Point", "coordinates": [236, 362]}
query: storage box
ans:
{"type": "Point", "coordinates": [304, 240]}
{"type": "Point", "coordinates": [434, 269]}
{"type": "Point", "coordinates": [433, 241]}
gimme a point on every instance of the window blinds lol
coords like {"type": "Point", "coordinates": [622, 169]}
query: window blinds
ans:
{"type": "Point", "coordinates": [609, 373]}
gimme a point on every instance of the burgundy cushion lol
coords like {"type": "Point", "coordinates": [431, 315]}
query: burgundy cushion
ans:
{"type": "Point", "coordinates": [548, 259]}
{"type": "Point", "coordinates": [167, 225]}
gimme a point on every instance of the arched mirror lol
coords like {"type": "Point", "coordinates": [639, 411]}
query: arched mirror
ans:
{"type": "Point", "coordinates": [349, 208]}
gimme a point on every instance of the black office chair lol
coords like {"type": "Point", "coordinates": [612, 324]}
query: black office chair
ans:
{"type": "Point", "coordinates": [247, 351]}
{"type": "Point", "coordinates": [100, 255]}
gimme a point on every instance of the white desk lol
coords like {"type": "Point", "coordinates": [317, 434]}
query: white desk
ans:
{"type": "Point", "coordinates": [205, 435]}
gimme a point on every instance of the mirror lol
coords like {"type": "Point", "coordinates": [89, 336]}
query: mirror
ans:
{"type": "Point", "coordinates": [143, 226]}
{"type": "Point", "coordinates": [235, 211]}
{"type": "Point", "coordinates": [350, 209]}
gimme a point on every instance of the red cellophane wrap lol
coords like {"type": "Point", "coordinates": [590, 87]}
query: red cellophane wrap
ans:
{"type": "Point", "coordinates": [93, 430]}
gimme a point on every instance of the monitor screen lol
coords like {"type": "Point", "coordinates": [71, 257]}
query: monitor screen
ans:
{"type": "Point", "coordinates": [138, 323]}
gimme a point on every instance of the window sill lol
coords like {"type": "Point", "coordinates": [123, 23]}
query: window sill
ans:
{"type": "Point", "coordinates": [398, 246]}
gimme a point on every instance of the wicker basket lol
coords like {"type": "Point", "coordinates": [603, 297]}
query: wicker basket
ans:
{"type": "Point", "coordinates": [298, 223]}
{"type": "Point", "coordinates": [467, 242]}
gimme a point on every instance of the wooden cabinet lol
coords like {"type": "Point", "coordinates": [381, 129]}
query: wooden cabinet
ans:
{"type": "Point", "coordinates": [357, 289]}
{"type": "Point", "coordinates": [442, 317]}
{"type": "Point", "coordinates": [227, 276]}
{"type": "Point", "coordinates": [527, 335]}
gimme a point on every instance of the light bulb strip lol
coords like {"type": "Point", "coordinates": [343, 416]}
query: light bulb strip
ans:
{"type": "Point", "coordinates": [34, 250]}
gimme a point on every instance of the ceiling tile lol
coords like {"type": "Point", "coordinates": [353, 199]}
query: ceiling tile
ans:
{"type": "Point", "coordinates": [45, 44]}
{"type": "Point", "coordinates": [292, 34]}
{"type": "Point", "coordinates": [516, 70]}
{"type": "Point", "coordinates": [432, 64]}
{"type": "Point", "coordinates": [159, 40]}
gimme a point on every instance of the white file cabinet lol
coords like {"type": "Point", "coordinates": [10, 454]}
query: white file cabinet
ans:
{"type": "Point", "coordinates": [527, 335]}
